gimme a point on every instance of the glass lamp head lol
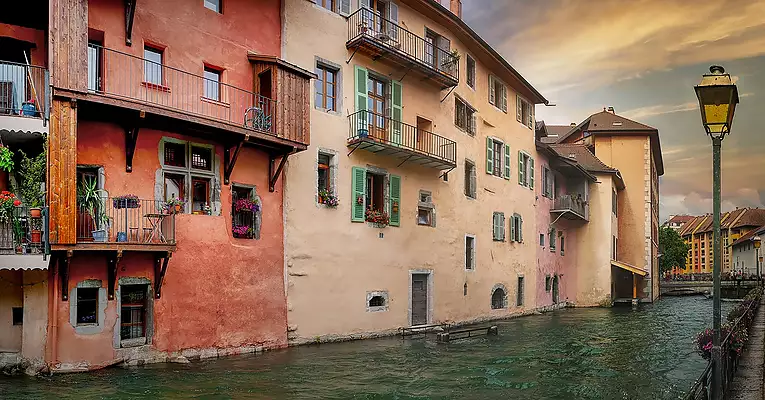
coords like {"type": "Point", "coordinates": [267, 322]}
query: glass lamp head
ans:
{"type": "Point", "coordinates": [718, 97]}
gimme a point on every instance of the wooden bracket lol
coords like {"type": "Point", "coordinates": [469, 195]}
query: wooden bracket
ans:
{"type": "Point", "coordinates": [63, 271]}
{"type": "Point", "coordinates": [274, 175]}
{"type": "Point", "coordinates": [112, 260]}
{"type": "Point", "coordinates": [131, 137]}
{"type": "Point", "coordinates": [160, 268]}
{"type": "Point", "coordinates": [129, 16]}
{"type": "Point", "coordinates": [229, 160]}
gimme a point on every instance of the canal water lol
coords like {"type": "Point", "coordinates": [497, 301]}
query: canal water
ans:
{"type": "Point", "coordinates": [616, 353]}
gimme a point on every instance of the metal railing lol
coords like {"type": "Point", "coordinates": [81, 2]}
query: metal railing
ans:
{"type": "Point", "coordinates": [23, 90]}
{"type": "Point", "coordinates": [366, 23]}
{"type": "Point", "coordinates": [131, 221]}
{"type": "Point", "coordinates": [379, 128]}
{"type": "Point", "coordinates": [20, 233]}
{"type": "Point", "coordinates": [122, 75]}
{"type": "Point", "coordinates": [571, 202]}
{"type": "Point", "coordinates": [702, 387]}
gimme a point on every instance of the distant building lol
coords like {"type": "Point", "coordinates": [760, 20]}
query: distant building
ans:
{"type": "Point", "coordinates": [676, 222]}
{"type": "Point", "coordinates": [743, 253]}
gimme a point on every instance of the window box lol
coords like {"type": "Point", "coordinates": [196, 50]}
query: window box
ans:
{"type": "Point", "coordinates": [126, 201]}
{"type": "Point", "coordinates": [161, 88]}
{"type": "Point", "coordinates": [328, 199]}
{"type": "Point", "coordinates": [379, 218]}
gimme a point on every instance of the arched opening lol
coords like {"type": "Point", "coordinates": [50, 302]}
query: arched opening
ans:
{"type": "Point", "coordinates": [377, 301]}
{"type": "Point", "coordinates": [498, 299]}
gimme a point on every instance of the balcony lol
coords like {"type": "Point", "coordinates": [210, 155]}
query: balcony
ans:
{"type": "Point", "coordinates": [384, 136]}
{"type": "Point", "coordinates": [22, 239]}
{"type": "Point", "coordinates": [572, 207]}
{"type": "Point", "coordinates": [24, 107]}
{"type": "Point", "coordinates": [381, 38]}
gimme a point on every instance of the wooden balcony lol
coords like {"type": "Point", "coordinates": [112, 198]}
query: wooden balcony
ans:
{"type": "Point", "coordinates": [571, 207]}
{"type": "Point", "coordinates": [384, 40]}
{"type": "Point", "coordinates": [384, 136]}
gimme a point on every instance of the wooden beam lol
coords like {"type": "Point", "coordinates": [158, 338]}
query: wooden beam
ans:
{"type": "Point", "coordinates": [63, 271]}
{"type": "Point", "coordinates": [274, 175]}
{"type": "Point", "coordinates": [160, 268]}
{"type": "Point", "coordinates": [230, 156]}
{"type": "Point", "coordinates": [131, 137]}
{"type": "Point", "coordinates": [112, 260]}
{"type": "Point", "coordinates": [129, 16]}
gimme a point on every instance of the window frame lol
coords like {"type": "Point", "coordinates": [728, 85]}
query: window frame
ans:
{"type": "Point", "coordinates": [471, 179]}
{"type": "Point", "coordinates": [427, 206]}
{"type": "Point", "coordinates": [469, 263]}
{"type": "Point", "coordinates": [218, 84]}
{"type": "Point", "coordinates": [461, 106]}
{"type": "Point", "coordinates": [520, 294]}
{"type": "Point", "coordinates": [17, 316]}
{"type": "Point", "coordinates": [189, 172]}
{"type": "Point", "coordinates": [143, 309]}
{"type": "Point", "coordinates": [499, 89]}
{"type": "Point", "coordinates": [323, 70]}
{"type": "Point", "coordinates": [219, 7]}
{"type": "Point", "coordinates": [78, 316]}
{"type": "Point", "coordinates": [504, 304]}
{"type": "Point", "coordinates": [470, 73]}
{"type": "Point", "coordinates": [551, 239]}
{"type": "Point", "coordinates": [161, 52]}
{"type": "Point", "coordinates": [542, 240]}
{"type": "Point", "coordinates": [257, 219]}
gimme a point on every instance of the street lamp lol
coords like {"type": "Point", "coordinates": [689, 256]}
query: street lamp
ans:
{"type": "Point", "coordinates": [757, 242]}
{"type": "Point", "coordinates": [718, 98]}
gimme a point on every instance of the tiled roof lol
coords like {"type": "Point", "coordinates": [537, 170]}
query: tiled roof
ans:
{"type": "Point", "coordinates": [752, 217]}
{"type": "Point", "coordinates": [679, 219]}
{"type": "Point", "coordinates": [691, 225]}
{"type": "Point", "coordinates": [582, 155]}
{"type": "Point", "coordinates": [749, 235]}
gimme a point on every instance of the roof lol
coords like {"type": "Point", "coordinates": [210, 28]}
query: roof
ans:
{"type": "Point", "coordinates": [749, 235]}
{"type": "Point", "coordinates": [555, 132]}
{"type": "Point", "coordinates": [691, 226]}
{"type": "Point", "coordinates": [584, 157]}
{"type": "Point", "coordinates": [751, 217]}
{"type": "Point", "coordinates": [255, 57]}
{"type": "Point", "coordinates": [609, 123]}
{"type": "Point", "coordinates": [544, 148]}
{"type": "Point", "coordinates": [629, 268]}
{"type": "Point", "coordinates": [737, 218]}
{"type": "Point", "coordinates": [679, 219]}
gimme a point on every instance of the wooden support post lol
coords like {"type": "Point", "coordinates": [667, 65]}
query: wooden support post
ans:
{"type": "Point", "coordinates": [112, 260]}
{"type": "Point", "coordinates": [63, 271]}
{"type": "Point", "coordinates": [274, 175]}
{"type": "Point", "coordinates": [634, 286]}
{"type": "Point", "coordinates": [160, 268]}
{"type": "Point", "coordinates": [230, 156]}
{"type": "Point", "coordinates": [131, 138]}
{"type": "Point", "coordinates": [129, 16]}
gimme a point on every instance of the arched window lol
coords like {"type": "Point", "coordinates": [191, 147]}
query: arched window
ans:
{"type": "Point", "coordinates": [498, 298]}
{"type": "Point", "coordinates": [377, 301]}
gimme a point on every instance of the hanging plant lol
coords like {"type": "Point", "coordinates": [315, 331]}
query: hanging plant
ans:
{"type": "Point", "coordinates": [6, 159]}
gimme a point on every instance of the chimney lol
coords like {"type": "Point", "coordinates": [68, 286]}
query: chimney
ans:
{"type": "Point", "coordinates": [611, 110]}
{"type": "Point", "coordinates": [456, 7]}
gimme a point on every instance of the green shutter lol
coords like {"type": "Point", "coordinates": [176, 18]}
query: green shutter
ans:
{"type": "Point", "coordinates": [360, 100]}
{"type": "Point", "coordinates": [489, 156]}
{"type": "Point", "coordinates": [507, 161]}
{"type": "Point", "coordinates": [520, 168]}
{"type": "Point", "coordinates": [395, 200]}
{"type": "Point", "coordinates": [531, 173]}
{"type": "Point", "coordinates": [396, 111]}
{"type": "Point", "coordinates": [512, 229]}
{"type": "Point", "coordinates": [519, 227]}
{"type": "Point", "coordinates": [359, 185]}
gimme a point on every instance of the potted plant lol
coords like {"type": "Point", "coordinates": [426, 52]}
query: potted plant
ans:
{"type": "Point", "coordinates": [126, 201]}
{"type": "Point", "coordinates": [18, 236]}
{"type": "Point", "coordinates": [90, 200]}
{"type": "Point", "coordinates": [35, 225]}
{"type": "Point", "coordinates": [241, 231]}
{"type": "Point", "coordinates": [6, 159]}
{"type": "Point", "coordinates": [328, 199]}
{"type": "Point", "coordinates": [379, 218]}
{"type": "Point", "coordinates": [174, 206]}
{"type": "Point", "coordinates": [246, 205]}
{"type": "Point", "coordinates": [8, 201]}
{"type": "Point", "coordinates": [32, 172]}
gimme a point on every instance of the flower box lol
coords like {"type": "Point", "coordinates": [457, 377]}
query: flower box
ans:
{"type": "Point", "coordinates": [126, 201]}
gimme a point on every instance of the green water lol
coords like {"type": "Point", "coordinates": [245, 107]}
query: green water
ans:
{"type": "Point", "coordinates": [614, 353]}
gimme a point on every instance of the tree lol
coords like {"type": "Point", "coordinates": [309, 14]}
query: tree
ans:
{"type": "Point", "coordinates": [672, 248]}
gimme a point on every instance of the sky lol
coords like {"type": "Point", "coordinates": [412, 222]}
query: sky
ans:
{"type": "Point", "coordinates": [643, 58]}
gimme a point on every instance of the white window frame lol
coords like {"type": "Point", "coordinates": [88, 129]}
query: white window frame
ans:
{"type": "Point", "coordinates": [526, 168]}
{"type": "Point", "coordinates": [465, 261]}
{"type": "Point", "coordinates": [471, 180]}
{"type": "Point", "coordinates": [189, 172]}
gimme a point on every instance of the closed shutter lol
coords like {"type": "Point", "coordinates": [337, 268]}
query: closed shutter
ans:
{"type": "Point", "coordinates": [345, 7]}
{"type": "Point", "coordinates": [519, 227]}
{"type": "Point", "coordinates": [396, 112]}
{"type": "Point", "coordinates": [393, 17]}
{"type": "Point", "coordinates": [473, 183]}
{"type": "Point", "coordinates": [495, 226]}
{"type": "Point", "coordinates": [504, 98]}
{"type": "Point", "coordinates": [531, 116]}
{"type": "Point", "coordinates": [365, 3]}
{"type": "Point", "coordinates": [507, 161]}
{"type": "Point", "coordinates": [521, 176]}
{"type": "Point", "coordinates": [544, 182]}
{"type": "Point", "coordinates": [362, 76]}
{"type": "Point", "coordinates": [518, 108]}
{"type": "Point", "coordinates": [395, 200]}
{"type": "Point", "coordinates": [531, 173]}
{"type": "Point", "coordinates": [472, 130]}
{"type": "Point", "coordinates": [512, 229]}
{"type": "Point", "coordinates": [359, 185]}
{"type": "Point", "coordinates": [444, 54]}
{"type": "Point", "coordinates": [502, 227]}
{"type": "Point", "coordinates": [492, 93]}
{"type": "Point", "coordinates": [489, 156]}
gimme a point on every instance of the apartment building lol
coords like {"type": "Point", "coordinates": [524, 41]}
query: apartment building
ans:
{"type": "Point", "coordinates": [746, 257]}
{"type": "Point", "coordinates": [676, 222]}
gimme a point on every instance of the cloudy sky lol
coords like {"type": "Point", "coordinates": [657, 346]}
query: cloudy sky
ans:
{"type": "Point", "coordinates": [643, 57]}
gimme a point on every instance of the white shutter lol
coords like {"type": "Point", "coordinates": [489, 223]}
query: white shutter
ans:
{"type": "Point", "coordinates": [518, 108]}
{"type": "Point", "coordinates": [504, 98]}
{"type": "Point", "coordinates": [502, 227]}
{"type": "Point", "coordinates": [345, 7]}
{"type": "Point", "coordinates": [393, 17]}
{"type": "Point", "coordinates": [492, 93]}
{"type": "Point", "coordinates": [531, 116]}
{"type": "Point", "coordinates": [472, 129]}
{"type": "Point", "coordinates": [365, 3]}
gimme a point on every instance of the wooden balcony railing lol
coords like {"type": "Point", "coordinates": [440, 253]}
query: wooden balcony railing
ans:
{"type": "Point", "coordinates": [573, 203]}
{"type": "Point", "coordinates": [127, 221]}
{"type": "Point", "coordinates": [22, 232]}
{"type": "Point", "coordinates": [366, 24]}
{"type": "Point", "coordinates": [24, 90]}
{"type": "Point", "coordinates": [121, 75]}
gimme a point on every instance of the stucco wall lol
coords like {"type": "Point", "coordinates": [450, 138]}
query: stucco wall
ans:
{"type": "Point", "coordinates": [10, 296]}
{"type": "Point", "coordinates": [341, 260]}
{"type": "Point", "coordinates": [593, 242]}
{"type": "Point", "coordinates": [39, 53]}
{"type": "Point", "coordinates": [35, 326]}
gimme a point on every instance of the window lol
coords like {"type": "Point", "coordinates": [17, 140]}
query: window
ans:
{"type": "Point", "coordinates": [614, 244]}
{"type": "Point", "coordinates": [324, 177]}
{"type": "Point", "coordinates": [326, 88]}
{"type": "Point", "coordinates": [213, 5]}
{"type": "Point", "coordinates": [525, 170]}
{"type": "Point", "coordinates": [469, 252]}
{"type": "Point", "coordinates": [464, 116]}
{"type": "Point", "coordinates": [497, 93]}
{"type": "Point", "coordinates": [328, 4]}
{"type": "Point", "coordinates": [201, 158]}
{"type": "Point", "coordinates": [212, 84]}
{"type": "Point", "coordinates": [470, 179]}
{"type": "Point", "coordinates": [548, 283]}
{"type": "Point", "coordinates": [87, 306]}
{"type": "Point", "coordinates": [175, 154]}
{"type": "Point", "coordinates": [133, 311]}
{"type": "Point", "coordinates": [519, 300]}
{"type": "Point", "coordinates": [496, 153]}
{"type": "Point", "coordinates": [426, 209]}
{"type": "Point", "coordinates": [551, 237]}
{"type": "Point", "coordinates": [547, 183]}
{"type": "Point", "coordinates": [95, 65]}
{"type": "Point", "coordinates": [614, 205]}
{"type": "Point", "coordinates": [524, 112]}
{"type": "Point", "coordinates": [470, 71]}
{"type": "Point", "coordinates": [498, 226]}
{"type": "Point", "coordinates": [562, 243]}
{"type": "Point", "coordinates": [498, 299]}
{"type": "Point", "coordinates": [245, 213]}
{"type": "Point", "coordinates": [542, 240]}
{"type": "Point", "coordinates": [377, 103]}
{"type": "Point", "coordinates": [152, 65]}
{"type": "Point", "coordinates": [377, 301]}
{"type": "Point", "coordinates": [189, 174]}
{"type": "Point", "coordinates": [375, 195]}
{"type": "Point", "coordinates": [200, 194]}
{"type": "Point", "coordinates": [18, 315]}
{"type": "Point", "coordinates": [516, 228]}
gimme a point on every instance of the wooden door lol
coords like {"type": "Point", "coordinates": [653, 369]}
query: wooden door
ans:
{"type": "Point", "coordinates": [419, 299]}
{"type": "Point", "coordinates": [555, 289]}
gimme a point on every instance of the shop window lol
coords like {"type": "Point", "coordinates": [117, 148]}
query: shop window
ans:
{"type": "Point", "coordinates": [87, 306]}
{"type": "Point", "coordinates": [133, 311]}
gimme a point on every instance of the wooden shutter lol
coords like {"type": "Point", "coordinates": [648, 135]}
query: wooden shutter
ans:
{"type": "Point", "coordinates": [519, 228]}
{"type": "Point", "coordinates": [472, 129]}
{"type": "Point", "coordinates": [518, 108]}
{"type": "Point", "coordinates": [489, 156]}
{"type": "Point", "coordinates": [507, 161]}
{"type": "Point", "coordinates": [473, 183]}
{"type": "Point", "coordinates": [360, 99]}
{"type": "Point", "coordinates": [492, 92]}
{"type": "Point", "coordinates": [544, 181]}
{"type": "Point", "coordinates": [504, 98]}
{"type": "Point", "coordinates": [512, 229]}
{"type": "Point", "coordinates": [531, 173]}
{"type": "Point", "coordinates": [521, 171]}
{"type": "Point", "coordinates": [396, 112]}
{"type": "Point", "coordinates": [395, 200]}
{"type": "Point", "coordinates": [502, 226]}
{"type": "Point", "coordinates": [359, 185]}
{"type": "Point", "coordinates": [345, 7]}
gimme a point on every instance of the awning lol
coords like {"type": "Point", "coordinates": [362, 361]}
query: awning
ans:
{"type": "Point", "coordinates": [630, 268]}
{"type": "Point", "coordinates": [24, 262]}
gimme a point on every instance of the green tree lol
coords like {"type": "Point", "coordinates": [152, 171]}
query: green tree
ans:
{"type": "Point", "coordinates": [672, 248]}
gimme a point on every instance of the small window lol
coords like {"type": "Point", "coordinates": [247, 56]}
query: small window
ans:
{"type": "Point", "coordinates": [547, 183]}
{"type": "Point", "coordinates": [152, 65]}
{"type": "Point", "coordinates": [213, 5]}
{"type": "Point", "coordinates": [133, 311]}
{"type": "Point", "coordinates": [542, 240]}
{"type": "Point", "coordinates": [425, 209]}
{"type": "Point", "coordinates": [200, 197]}
{"type": "Point", "coordinates": [552, 240]}
{"type": "Point", "coordinates": [524, 169]}
{"type": "Point", "coordinates": [324, 178]}
{"type": "Point", "coordinates": [516, 228]}
{"type": "Point", "coordinates": [519, 300]}
{"type": "Point", "coordinates": [175, 154]}
{"type": "Point", "coordinates": [470, 71]}
{"type": "Point", "coordinates": [212, 84]}
{"type": "Point", "coordinates": [497, 93]}
{"type": "Point", "coordinates": [326, 88]}
{"type": "Point", "coordinates": [175, 187]}
{"type": "Point", "coordinates": [201, 158]}
{"type": "Point", "coordinates": [470, 179]}
{"type": "Point", "coordinates": [498, 299]}
{"type": "Point", "coordinates": [498, 226]}
{"type": "Point", "coordinates": [548, 283]}
{"type": "Point", "coordinates": [498, 152]}
{"type": "Point", "coordinates": [245, 213]}
{"type": "Point", "coordinates": [562, 243]}
{"type": "Point", "coordinates": [375, 192]}
{"type": "Point", "coordinates": [18, 315]}
{"type": "Point", "coordinates": [614, 204]}
{"type": "Point", "coordinates": [328, 4]}
{"type": "Point", "coordinates": [464, 116]}
{"type": "Point", "coordinates": [377, 301]}
{"type": "Point", "coordinates": [469, 252]}
{"type": "Point", "coordinates": [87, 306]}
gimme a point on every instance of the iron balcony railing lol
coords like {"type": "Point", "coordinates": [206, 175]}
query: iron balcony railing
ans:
{"type": "Point", "coordinates": [129, 221]}
{"type": "Point", "coordinates": [573, 203]}
{"type": "Point", "coordinates": [22, 232]}
{"type": "Point", "coordinates": [368, 24]}
{"type": "Point", "coordinates": [24, 90]}
{"type": "Point", "coordinates": [366, 125]}
{"type": "Point", "coordinates": [122, 75]}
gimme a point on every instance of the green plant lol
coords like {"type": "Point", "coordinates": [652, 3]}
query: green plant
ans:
{"type": "Point", "coordinates": [18, 232]}
{"type": "Point", "coordinates": [90, 199]}
{"type": "Point", "coordinates": [8, 201]}
{"type": "Point", "coordinates": [32, 174]}
{"type": "Point", "coordinates": [6, 159]}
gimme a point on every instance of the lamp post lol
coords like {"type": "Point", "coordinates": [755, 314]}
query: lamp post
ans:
{"type": "Point", "coordinates": [718, 97]}
{"type": "Point", "coordinates": [757, 242]}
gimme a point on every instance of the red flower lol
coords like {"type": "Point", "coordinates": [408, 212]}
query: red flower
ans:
{"type": "Point", "coordinates": [16, 203]}
{"type": "Point", "coordinates": [5, 192]}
